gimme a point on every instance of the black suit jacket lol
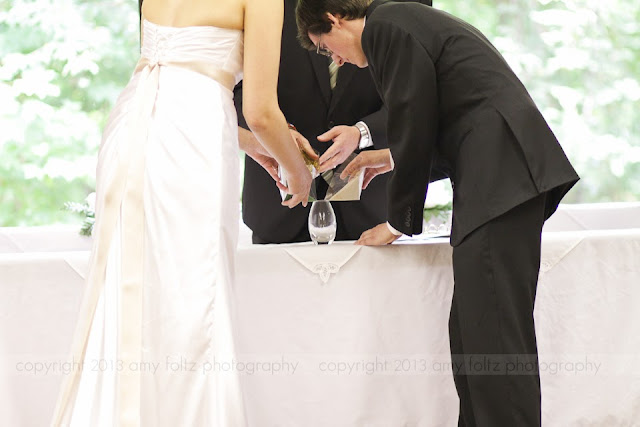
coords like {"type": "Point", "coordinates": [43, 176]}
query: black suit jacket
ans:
{"type": "Point", "coordinates": [454, 103]}
{"type": "Point", "coordinates": [306, 99]}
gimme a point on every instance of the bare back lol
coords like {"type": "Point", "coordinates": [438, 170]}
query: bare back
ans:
{"type": "Point", "coordinates": [261, 23]}
{"type": "Point", "coordinates": [187, 13]}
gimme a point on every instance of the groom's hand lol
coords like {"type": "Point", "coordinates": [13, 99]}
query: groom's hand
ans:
{"type": "Point", "coordinates": [345, 141]}
{"type": "Point", "coordinates": [374, 163]}
{"type": "Point", "coordinates": [377, 236]}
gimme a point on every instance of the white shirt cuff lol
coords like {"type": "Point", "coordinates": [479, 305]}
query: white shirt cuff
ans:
{"type": "Point", "coordinates": [393, 230]}
{"type": "Point", "coordinates": [365, 135]}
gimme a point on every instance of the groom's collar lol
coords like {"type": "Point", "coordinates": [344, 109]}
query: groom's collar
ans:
{"type": "Point", "coordinates": [374, 5]}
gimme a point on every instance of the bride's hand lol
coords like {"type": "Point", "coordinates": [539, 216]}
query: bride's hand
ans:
{"type": "Point", "coordinates": [298, 185]}
{"type": "Point", "coordinates": [303, 144]}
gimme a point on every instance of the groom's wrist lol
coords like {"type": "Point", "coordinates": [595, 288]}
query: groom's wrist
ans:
{"type": "Point", "coordinates": [365, 135]}
{"type": "Point", "coordinates": [393, 230]}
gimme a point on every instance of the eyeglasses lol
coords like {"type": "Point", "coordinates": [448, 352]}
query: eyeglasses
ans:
{"type": "Point", "coordinates": [323, 50]}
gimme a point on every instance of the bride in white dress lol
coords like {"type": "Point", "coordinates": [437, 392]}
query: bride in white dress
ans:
{"type": "Point", "coordinates": [154, 328]}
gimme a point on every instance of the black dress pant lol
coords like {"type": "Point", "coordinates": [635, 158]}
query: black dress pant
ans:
{"type": "Point", "coordinates": [491, 327]}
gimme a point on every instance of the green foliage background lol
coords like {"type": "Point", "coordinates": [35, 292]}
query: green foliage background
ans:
{"type": "Point", "coordinates": [62, 66]}
{"type": "Point", "coordinates": [64, 62]}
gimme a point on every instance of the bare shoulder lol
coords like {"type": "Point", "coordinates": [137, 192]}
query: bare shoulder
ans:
{"type": "Point", "coordinates": [264, 14]}
{"type": "Point", "coordinates": [190, 13]}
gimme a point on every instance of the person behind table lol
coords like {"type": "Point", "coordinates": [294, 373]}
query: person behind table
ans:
{"type": "Point", "coordinates": [337, 115]}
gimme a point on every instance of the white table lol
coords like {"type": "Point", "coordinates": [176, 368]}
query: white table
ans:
{"type": "Point", "coordinates": [369, 346]}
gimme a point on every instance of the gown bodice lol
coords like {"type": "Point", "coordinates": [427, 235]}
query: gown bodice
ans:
{"type": "Point", "coordinates": [220, 48]}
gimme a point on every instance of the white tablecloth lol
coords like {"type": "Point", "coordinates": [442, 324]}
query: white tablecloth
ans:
{"type": "Point", "coordinates": [347, 336]}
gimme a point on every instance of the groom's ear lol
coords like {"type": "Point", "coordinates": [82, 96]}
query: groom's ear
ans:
{"type": "Point", "coordinates": [336, 20]}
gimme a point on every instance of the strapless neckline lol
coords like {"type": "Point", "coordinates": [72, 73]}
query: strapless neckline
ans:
{"type": "Point", "coordinates": [153, 24]}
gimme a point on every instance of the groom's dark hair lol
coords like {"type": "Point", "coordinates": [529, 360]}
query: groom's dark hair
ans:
{"type": "Point", "coordinates": [311, 16]}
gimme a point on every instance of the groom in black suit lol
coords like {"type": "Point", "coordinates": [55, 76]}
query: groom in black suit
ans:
{"type": "Point", "coordinates": [455, 105]}
{"type": "Point", "coordinates": [310, 104]}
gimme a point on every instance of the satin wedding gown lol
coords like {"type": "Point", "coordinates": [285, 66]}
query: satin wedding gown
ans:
{"type": "Point", "coordinates": [154, 333]}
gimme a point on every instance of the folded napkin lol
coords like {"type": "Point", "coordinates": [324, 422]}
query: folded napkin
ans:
{"type": "Point", "coordinates": [323, 260]}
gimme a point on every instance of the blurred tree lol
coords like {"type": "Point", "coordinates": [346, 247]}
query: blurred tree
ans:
{"type": "Point", "coordinates": [580, 60]}
{"type": "Point", "coordinates": [62, 64]}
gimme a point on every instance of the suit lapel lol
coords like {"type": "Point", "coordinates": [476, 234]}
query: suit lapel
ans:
{"type": "Point", "coordinates": [345, 73]}
{"type": "Point", "coordinates": [321, 68]}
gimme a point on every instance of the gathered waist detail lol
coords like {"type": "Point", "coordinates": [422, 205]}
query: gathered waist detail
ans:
{"type": "Point", "coordinates": [224, 78]}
